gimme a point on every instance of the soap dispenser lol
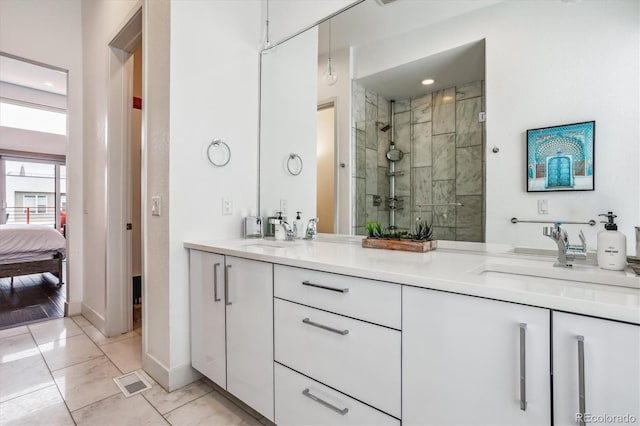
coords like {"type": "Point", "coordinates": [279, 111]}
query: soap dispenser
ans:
{"type": "Point", "coordinates": [612, 245]}
{"type": "Point", "coordinates": [298, 226]}
{"type": "Point", "coordinates": [279, 232]}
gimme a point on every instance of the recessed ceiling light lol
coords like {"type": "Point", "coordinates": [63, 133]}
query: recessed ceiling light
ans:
{"type": "Point", "coordinates": [48, 83]}
{"type": "Point", "coordinates": [447, 98]}
{"type": "Point", "coordinates": [428, 81]}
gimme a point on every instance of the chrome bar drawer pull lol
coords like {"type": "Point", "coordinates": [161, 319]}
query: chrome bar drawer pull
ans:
{"type": "Point", "coordinates": [324, 327]}
{"type": "Point", "coordinates": [523, 367]}
{"type": "Point", "coordinates": [325, 287]}
{"type": "Point", "coordinates": [215, 282]}
{"type": "Point", "coordinates": [226, 285]}
{"type": "Point", "coordinates": [581, 393]}
{"type": "Point", "coordinates": [325, 403]}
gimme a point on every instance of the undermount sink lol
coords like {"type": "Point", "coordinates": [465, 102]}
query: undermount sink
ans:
{"type": "Point", "coordinates": [579, 273]}
{"type": "Point", "coordinates": [272, 244]}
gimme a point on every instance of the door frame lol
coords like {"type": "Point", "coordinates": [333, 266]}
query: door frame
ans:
{"type": "Point", "coordinates": [333, 103]}
{"type": "Point", "coordinates": [119, 288]}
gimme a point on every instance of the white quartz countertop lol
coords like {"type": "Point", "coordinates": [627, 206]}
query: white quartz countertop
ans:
{"type": "Point", "coordinates": [454, 267]}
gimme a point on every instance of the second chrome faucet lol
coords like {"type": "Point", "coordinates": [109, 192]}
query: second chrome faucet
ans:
{"type": "Point", "coordinates": [566, 252]}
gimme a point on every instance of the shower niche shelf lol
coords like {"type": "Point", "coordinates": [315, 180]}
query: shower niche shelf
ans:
{"type": "Point", "coordinates": [402, 245]}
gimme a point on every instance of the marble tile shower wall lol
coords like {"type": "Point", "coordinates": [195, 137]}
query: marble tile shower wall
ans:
{"type": "Point", "coordinates": [443, 144]}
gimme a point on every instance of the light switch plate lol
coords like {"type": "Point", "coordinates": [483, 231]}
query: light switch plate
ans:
{"type": "Point", "coordinates": [156, 205]}
{"type": "Point", "coordinates": [543, 206]}
{"type": "Point", "coordinates": [284, 206]}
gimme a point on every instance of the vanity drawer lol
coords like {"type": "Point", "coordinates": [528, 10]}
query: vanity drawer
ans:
{"type": "Point", "coordinates": [303, 401]}
{"type": "Point", "coordinates": [355, 357]}
{"type": "Point", "coordinates": [368, 300]}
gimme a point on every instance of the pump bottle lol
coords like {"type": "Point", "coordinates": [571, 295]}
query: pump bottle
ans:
{"type": "Point", "coordinates": [612, 245]}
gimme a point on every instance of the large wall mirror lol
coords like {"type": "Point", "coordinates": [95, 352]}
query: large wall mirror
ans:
{"type": "Point", "coordinates": [348, 104]}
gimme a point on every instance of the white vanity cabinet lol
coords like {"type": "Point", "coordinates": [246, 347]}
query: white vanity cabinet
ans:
{"type": "Point", "coordinates": [337, 348]}
{"type": "Point", "coordinates": [250, 333]}
{"type": "Point", "coordinates": [208, 354]}
{"type": "Point", "coordinates": [596, 370]}
{"type": "Point", "coordinates": [473, 361]}
{"type": "Point", "coordinates": [232, 326]}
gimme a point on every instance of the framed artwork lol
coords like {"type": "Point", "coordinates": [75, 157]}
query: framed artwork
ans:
{"type": "Point", "coordinates": [561, 158]}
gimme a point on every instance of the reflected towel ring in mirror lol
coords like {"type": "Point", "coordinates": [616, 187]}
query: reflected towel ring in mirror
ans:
{"type": "Point", "coordinates": [224, 153]}
{"type": "Point", "coordinates": [294, 159]}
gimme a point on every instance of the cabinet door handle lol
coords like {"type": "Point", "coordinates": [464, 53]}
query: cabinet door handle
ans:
{"type": "Point", "coordinates": [325, 287]}
{"type": "Point", "coordinates": [523, 367]}
{"type": "Point", "coordinates": [581, 393]}
{"type": "Point", "coordinates": [325, 327]}
{"type": "Point", "coordinates": [215, 282]}
{"type": "Point", "coordinates": [226, 285]}
{"type": "Point", "coordinates": [311, 396]}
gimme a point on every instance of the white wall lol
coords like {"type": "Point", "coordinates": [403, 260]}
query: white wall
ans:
{"type": "Point", "coordinates": [214, 94]}
{"type": "Point", "coordinates": [287, 17]}
{"type": "Point", "coordinates": [543, 74]}
{"type": "Point", "coordinates": [157, 316]}
{"type": "Point", "coordinates": [49, 31]}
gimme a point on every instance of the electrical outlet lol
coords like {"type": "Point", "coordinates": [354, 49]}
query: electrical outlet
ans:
{"type": "Point", "coordinates": [227, 206]}
{"type": "Point", "coordinates": [284, 207]}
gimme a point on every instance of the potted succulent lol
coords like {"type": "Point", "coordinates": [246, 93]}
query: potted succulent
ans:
{"type": "Point", "coordinates": [420, 241]}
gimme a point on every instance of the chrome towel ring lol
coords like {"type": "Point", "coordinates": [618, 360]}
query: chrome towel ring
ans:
{"type": "Point", "coordinates": [219, 153]}
{"type": "Point", "coordinates": [293, 161]}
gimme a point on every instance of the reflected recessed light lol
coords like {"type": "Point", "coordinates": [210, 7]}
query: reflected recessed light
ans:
{"type": "Point", "coordinates": [428, 81]}
{"type": "Point", "coordinates": [447, 98]}
{"type": "Point", "coordinates": [48, 83]}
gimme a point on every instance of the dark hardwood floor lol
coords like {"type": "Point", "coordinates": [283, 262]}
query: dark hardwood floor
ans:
{"type": "Point", "coordinates": [32, 298]}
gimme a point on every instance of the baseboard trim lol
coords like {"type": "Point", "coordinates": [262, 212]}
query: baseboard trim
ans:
{"type": "Point", "coordinates": [172, 379]}
{"type": "Point", "coordinates": [94, 318]}
{"type": "Point", "coordinates": [157, 370]}
{"type": "Point", "coordinates": [72, 309]}
{"type": "Point", "coordinates": [182, 375]}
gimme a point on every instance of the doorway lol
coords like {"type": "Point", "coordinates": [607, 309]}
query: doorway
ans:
{"type": "Point", "coordinates": [326, 154]}
{"type": "Point", "coordinates": [124, 183]}
{"type": "Point", "coordinates": [136, 190]}
{"type": "Point", "coordinates": [33, 141]}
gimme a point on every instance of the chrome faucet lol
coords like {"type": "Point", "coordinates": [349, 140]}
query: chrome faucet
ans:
{"type": "Point", "coordinates": [288, 230]}
{"type": "Point", "coordinates": [312, 229]}
{"type": "Point", "coordinates": [566, 251]}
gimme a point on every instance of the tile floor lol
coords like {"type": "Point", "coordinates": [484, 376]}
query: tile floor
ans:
{"type": "Point", "coordinates": [60, 372]}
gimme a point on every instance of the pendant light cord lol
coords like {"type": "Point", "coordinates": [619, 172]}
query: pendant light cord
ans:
{"type": "Point", "coordinates": [329, 39]}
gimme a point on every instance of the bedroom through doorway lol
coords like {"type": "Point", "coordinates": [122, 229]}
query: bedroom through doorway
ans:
{"type": "Point", "coordinates": [33, 143]}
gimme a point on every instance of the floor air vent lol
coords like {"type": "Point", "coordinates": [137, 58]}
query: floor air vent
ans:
{"type": "Point", "coordinates": [132, 383]}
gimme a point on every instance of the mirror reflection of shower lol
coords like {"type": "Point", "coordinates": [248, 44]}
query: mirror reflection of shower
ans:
{"type": "Point", "coordinates": [418, 150]}
{"type": "Point", "coordinates": [393, 155]}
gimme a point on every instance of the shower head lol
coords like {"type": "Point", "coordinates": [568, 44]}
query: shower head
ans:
{"type": "Point", "coordinates": [385, 127]}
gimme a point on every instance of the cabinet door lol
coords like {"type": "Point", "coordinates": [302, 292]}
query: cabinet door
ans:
{"type": "Point", "coordinates": [462, 360]}
{"type": "Point", "coordinates": [602, 358]}
{"type": "Point", "coordinates": [250, 333]}
{"type": "Point", "coordinates": [208, 315]}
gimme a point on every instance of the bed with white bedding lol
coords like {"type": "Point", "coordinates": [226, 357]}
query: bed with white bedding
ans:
{"type": "Point", "coordinates": [31, 249]}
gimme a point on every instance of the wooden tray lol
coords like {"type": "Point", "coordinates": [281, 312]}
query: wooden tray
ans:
{"type": "Point", "coordinates": [403, 245]}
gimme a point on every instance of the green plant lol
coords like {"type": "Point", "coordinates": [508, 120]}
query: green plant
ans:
{"type": "Point", "coordinates": [424, 231]}
{"type": "Point", "coordinates": [374, 229]}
